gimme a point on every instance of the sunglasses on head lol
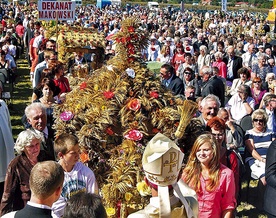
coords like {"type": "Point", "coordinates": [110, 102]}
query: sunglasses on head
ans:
{"type": "Point", "coordinates": [258, 120]}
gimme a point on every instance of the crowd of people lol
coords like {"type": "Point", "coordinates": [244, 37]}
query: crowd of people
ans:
{"type": "Point", "coordinates": [223, 61]}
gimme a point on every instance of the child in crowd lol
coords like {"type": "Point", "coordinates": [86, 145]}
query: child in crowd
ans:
{"type": "Point", "coordinates": [77, 177]}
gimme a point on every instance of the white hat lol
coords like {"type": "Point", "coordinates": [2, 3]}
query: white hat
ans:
{"type": "Point", "coordinates": [152, 38]}
{"type": "Point", "coordinates": [162, 160]}
{"type": "Point", "coordinates": [168, 39]}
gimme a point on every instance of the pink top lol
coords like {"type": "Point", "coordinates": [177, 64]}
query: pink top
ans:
{"type": "Point", "coordinates": [19, 29]}
{"type": "Point", "coordinates": [211, 204]}
{"type": "Point", "coordinates": [222, 68]}
{"type": "Point", "coordinates": [177, 60]}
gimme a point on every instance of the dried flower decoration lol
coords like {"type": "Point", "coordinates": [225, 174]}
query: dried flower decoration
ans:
{"type": "Point", "coordinates": [134, 135]}
{"type": "Point", "coordinates": [108, 94]}
{"type": "Point", "coordinates": [66, 116]}
{"type": "Point", "coordinates": [110, 211]}
{"type": "Point", "coordinates": [154, 94]}
{"type": "Point", "coordinates": [130, 72]}
{"type": "Point", "coordinates": [128, 196]}
{"type": "Point", "coordinates": [83, 85]}
{"type": "Point", "coordinates": [143, 188]}
{"type": "Point", "coordinates": [134, 104]}
{"type": "Point", "coordinates": [109, 131]}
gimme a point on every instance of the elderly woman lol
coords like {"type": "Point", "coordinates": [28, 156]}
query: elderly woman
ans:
{"type": "Point", "coordinates": [269, 83]}
{"type": "Point", "coordinates": [257, 141]}
{"type": "Point", "coordinates": [204, 59]}
{"type": "Point", "coordinates": [17, 190]}
{"type": "Point", "coordinates": [220, 65]}
{"type": "Point", "coordinates": [244, 79]}
{"type": "Point", "coordinates": [260, 68]}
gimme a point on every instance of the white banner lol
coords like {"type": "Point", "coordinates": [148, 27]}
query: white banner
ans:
{"type": "Point", "coordinates": [56, 10]}
{"type": "Point", "coordinates": [224, 5]}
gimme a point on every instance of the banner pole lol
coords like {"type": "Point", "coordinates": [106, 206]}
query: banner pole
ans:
{"type": "Point", "coordinates": [57, 34]}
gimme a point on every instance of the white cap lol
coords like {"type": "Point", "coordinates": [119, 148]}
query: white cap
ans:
{"type": "Point", "coordinates": [162, 160]}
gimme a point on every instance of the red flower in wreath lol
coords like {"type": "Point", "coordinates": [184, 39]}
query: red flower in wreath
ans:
{"type": "Point", "coordinates": [108, 94]}
{"type": "Point", "coordinates": [128, 39]}
{"type": "Point", "coordinates": [135, 36]}
{"type": "Point", "coordinates": [130, 47]}
{"type": "Point", "coordinates": [131, 59]}
{"type": "Point", "coordinates": [134, 104]}
{"type": "Point", "coordinates": [134, 135]}
{"type": "Point", "coordinates": [118, 40]}
{"type": "Point", "coordinates": [109, 131]}
{"type": "Point", "coordinates": [131, 29]}
{"type": "Point", "coordinates": [124, 40]}
{"type": "Point", "coordinates": [83, 86]}
{"type": "Point", "coordinates": [154, 94]}
{"type": "Point", "coordinates": [155, 130]}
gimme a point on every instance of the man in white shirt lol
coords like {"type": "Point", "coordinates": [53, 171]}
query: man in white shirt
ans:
{"type": "Point", "coordinates": [249, 57]}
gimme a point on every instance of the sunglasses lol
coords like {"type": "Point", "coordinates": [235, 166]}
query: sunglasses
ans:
{"type": "Point", "coordinates": [257, 82]}
{"type": "Point", "coordinates": [258, 120]}
{"type": "Point", "coordinates": [188, 73]}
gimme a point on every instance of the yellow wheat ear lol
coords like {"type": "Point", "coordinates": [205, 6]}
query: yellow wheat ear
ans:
{"type": "Point", "coordinates": [188, 110]}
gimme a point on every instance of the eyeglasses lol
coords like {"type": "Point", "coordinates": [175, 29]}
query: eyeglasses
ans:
{"type": "Point", "coordinates": [219, 135]}
{"type": "Point", "coordinates": [188, 73]}
{"type": "Point", "coordinates": [258, 120]}
{"type": "Point", "coordinates": [257, 82]}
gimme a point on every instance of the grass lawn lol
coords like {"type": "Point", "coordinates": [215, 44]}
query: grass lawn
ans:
{"type": "Point", "coordinates": [22, 97]}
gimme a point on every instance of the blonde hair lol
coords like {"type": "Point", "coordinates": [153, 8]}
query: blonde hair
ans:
{"type": "Point", "coordinates": [192, 172]}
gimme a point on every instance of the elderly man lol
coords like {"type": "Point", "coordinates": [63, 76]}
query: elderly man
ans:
{"type": "Point", "coordinates": [209, 107]}
{"type": "Point", "coordinates": [162, 160]}
{"type": "Point", "coordinates": [249, 57]}
{"type": "Point", "coordinates": [37, 118]}
{"type": "Point", "coordinates": [170, 80]}
{"type": "Point", "coordinates": [240, 104]}
{"type": "Point", "coordinates": [211, 84]}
